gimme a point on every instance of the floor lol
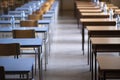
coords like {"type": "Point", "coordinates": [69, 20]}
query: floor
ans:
{"type": "Point", "coordinates": [66, 61]}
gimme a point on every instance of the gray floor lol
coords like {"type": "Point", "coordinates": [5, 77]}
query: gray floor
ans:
{"type": "Point", "coordinates": [66, 61]}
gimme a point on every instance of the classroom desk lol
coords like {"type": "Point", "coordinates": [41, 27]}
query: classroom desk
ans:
{"type": "Point", "coordinates": [113, 7]}
{"type": "Point", "coordinates": [17, 12]}
{"type": "Point", "coordinates": [48, 16]}
{"type": "Point", "coordinates": [32, 42]}
{"type": "Point", "coordinates": [117, 10]}
{"type": "Point", "coordinates": [8, 17]}
{"type": "Point", "coordinates": [18, 16]}
{"type": "Point", "coordinates": [103, 44]}
{"type": "Point", "coordinates": [43, 22]}
{"type": "Point", "coordinates": [78, 4]}
{"type": "Point", "coordinates": [22, 9]}
{"type": "Point", "coordinates": [102, 31]}
{"type": "Point", "coordinates": [109, 67]}
{"type": "Point", "coordinates": [86, 10]}
{"type": "Point", "coordinates": [37, 29]}
{"type": "Point", "coordinates": [43, 30]}
{"type": "Point", "coordinates": [20, 66]}
{"type": "Point", "coordinates": [95, 22]}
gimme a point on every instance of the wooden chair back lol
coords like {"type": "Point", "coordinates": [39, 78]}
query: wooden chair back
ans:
{"type": "Point", "coordinates": [35, 17]}
{"type": "Point", "coordinates": [29, 23]}
{"type": "Point", "coordinates": [23, 33]}
{"type": "Point", "coordinates": [10, 49]}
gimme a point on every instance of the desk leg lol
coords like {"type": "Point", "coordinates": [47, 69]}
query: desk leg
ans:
{"type": "Point", "coordinates": [46, 50]}
{"type": "Point", "coordinates": [92, 66]}
{"type": "Point", "coordinates": [78, 18]}
{"type": "Point", "coordinates": [104, 75]}
{"type": "Point", "coordinates": [95, 53]}
{"type": "Point", "coordinates": [88, 50]}
{"type": "Point", "coordinates": [75, 9]}
{"type": "Point", "coordinates": [91, 57]}
{"type": "Point", "coordinates": [40, 63]}
{"type": "Point", "coordinates": [83, 39]}
{"type": "Point", "coordinates": [49, 38]}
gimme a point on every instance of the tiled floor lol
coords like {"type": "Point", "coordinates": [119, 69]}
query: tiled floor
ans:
{"type": "Point", "coordinates": [66, 61]}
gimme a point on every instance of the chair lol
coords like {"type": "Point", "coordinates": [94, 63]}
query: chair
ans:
{"type": "Point", "coordinates": [45, 8]}
{"type": "Point", "coordinates": [29, 23]}
{"type": "Point", "coordinates": [39, 12]}
{"type": "Point", "coordinates": [26, 34]}
{"type": "Point", "coordinates": [34, 17]}
{"type": "Point", "coordinates": [2, 73]}
{"type": "Point", "coordinates": [15, 65]}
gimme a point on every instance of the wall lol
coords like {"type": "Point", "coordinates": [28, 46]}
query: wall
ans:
{"type": "Point", "coordinates": [68, 4]}
{"type": "Point", "coordinates": [116, 2]}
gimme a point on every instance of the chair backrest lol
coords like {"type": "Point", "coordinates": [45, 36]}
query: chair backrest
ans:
{"type": "Point", "coordinates": [2, 73]}
{"type": "Point", "coordinates": [23, 33]}
{"type": "Point", "coordinates": [39, 12]}
{"type": "Point", "coordinates": [10, 49]}
{"type": "Point", "coordinates": [29, 23]}
{"type": "Point", "coordinates": [34, 17]}
{"type": "Point", "coordinates": [45, 8]}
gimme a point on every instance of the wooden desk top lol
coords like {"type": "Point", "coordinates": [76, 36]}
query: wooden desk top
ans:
{"type": "Point", "coordinates": [94, 15]}
{"type": "Point", "coordinates": [97, 20]}
{"type": "Point", "coordinates": [102, 28]}
{"type": "Point", "coordinates": [90, 11]}
{"type": "Point", "coordinates": [117, 11]}
{"type": "Point", "coordinates": [86, 5]}
{"type": "Point", "coordinates": [109, 62]}
{"type": "Point", "coordinates": [88, 8]}
{"type": "Point", "coordinates": [114, 7]}
{"type": "Point", "coordinates": [105, 41]}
